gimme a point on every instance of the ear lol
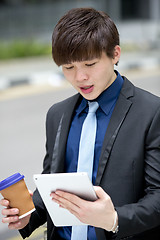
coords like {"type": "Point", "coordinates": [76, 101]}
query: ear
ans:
{"type": "Point", "coordinates": [117, 54]}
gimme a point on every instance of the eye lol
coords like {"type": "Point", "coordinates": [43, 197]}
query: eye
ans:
{"type": "Point", "coordinates": [68, 68]}
{"type": "Point", "coordinates": [90, 64]}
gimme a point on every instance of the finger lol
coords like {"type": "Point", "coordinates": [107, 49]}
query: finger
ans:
{"type": "Point", "coordinates": [16, 225]}
{"type": "Point", "coordinates": [72, 209]}
{"type": "Point", "coordinates": [73, 204]}
{"type": "Point", "coordinates": [69, 197]}
{"type": "Point", "coordinates": [66, 200]}
{"type": "Point", "coordinates": [10, 211]}
{"type": "Point", "coordinates": [63, 199]}
{"type": "Point", "coordinates": [9, 219]}
{"type": "Point", "coordinates": [105, 198]}
{"type": "Point", "coordinates": [4, 202]}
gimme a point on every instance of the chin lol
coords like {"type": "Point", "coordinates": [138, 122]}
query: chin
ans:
{"type": "Point", "coordinates": [89, 98]}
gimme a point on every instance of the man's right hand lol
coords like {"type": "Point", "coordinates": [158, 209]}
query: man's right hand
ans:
{"type": "Point", "coordinates": [11, 217]}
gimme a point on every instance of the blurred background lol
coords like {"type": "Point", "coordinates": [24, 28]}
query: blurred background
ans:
{"type": "Point", "coordinates": [30, 82]}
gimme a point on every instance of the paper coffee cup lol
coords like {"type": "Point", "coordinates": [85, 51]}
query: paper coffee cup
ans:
{"type": "Point", "coordinates": [15, 191]}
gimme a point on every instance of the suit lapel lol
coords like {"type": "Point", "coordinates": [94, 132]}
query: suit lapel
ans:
{"type": "Point", "coordinates": [118, 116]}
{"type": "Point", "coordinates": [59, 149]}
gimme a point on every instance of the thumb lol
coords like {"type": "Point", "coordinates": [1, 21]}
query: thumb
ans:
{"type": "Point", "coordinates": [100, 192]}
{"type": "Point", "coordinates": [31, 193]}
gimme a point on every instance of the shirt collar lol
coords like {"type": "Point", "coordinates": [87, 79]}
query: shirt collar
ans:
{"type": "Point", "coordinates": [82, 106]}
{"type": "Point", "coordinates": [107, 98]}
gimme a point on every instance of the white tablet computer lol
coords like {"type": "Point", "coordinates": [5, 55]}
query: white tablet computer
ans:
{"type": "Point", "coordinates": [77, 183]}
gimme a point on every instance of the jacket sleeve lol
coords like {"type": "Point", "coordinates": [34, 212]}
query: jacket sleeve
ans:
{"type": "Point", "coordinates": [145, 214]}
{"type": "Point", "coordinates": [38, 217]}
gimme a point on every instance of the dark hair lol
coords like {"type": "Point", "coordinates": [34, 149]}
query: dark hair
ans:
{"type": "Point", "coordinates": [82, 34]}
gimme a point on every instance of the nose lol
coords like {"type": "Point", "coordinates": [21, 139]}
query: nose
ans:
{"type": "Point", "coordinates": [81, 75]}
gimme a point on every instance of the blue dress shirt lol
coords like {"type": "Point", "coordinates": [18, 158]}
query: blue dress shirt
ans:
{"type": "Point", "coordinates": [107, 101]}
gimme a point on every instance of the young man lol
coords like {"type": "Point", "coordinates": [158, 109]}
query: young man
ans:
{"type": "Point", "coordinates": [126, 164]}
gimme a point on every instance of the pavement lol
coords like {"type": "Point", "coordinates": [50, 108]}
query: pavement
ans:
{"type": "Point", "coordinates": [38, 234]}
{"type": "Point", "coordinates": [42, 70]}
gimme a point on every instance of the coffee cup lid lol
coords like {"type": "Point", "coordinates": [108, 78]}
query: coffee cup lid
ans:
{"type": "Point", "coordinates": [10, 180]}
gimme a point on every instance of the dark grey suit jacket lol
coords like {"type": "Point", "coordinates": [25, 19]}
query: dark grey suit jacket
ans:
{"type": "Point", "coordinates": [129, 165]}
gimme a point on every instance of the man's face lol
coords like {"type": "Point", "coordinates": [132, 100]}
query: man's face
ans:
{"type": "Point", "coordinates": [91, 78]}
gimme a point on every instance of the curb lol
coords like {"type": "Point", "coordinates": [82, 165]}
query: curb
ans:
{"type": "Point", "coordinates": [53, 79]}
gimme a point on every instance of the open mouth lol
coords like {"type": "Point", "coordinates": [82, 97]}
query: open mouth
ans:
{"type": "Point", "coordinates": [87, 89]}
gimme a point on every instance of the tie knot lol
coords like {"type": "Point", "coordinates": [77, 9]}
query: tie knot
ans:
{"type": "Point", "coordinates": [93, 106]}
